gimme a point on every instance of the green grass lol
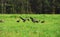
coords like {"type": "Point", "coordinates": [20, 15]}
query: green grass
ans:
{"type": "Point", "coordinates": [11, 28]}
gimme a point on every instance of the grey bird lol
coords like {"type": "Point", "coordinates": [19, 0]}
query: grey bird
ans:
{"type": "Point", "coordinates": [34, 20]}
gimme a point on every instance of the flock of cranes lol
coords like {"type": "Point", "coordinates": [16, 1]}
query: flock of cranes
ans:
{"type": "Point", "coordinates": [27, 19]}
{"type": "Point", "coordinates": [30, 18]}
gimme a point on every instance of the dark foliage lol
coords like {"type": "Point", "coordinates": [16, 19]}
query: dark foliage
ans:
{"type": "Point", "coordinates": [30, 6]}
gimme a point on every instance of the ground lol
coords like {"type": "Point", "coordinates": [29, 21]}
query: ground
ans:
{"type": "Point", "coordinates": [10, 28]}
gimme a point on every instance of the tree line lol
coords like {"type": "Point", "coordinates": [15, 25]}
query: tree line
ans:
{"type": "Point", "coordinates": [29, 6]}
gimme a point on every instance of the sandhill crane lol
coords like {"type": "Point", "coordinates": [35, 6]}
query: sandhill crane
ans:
{"type": "Point", "coordinates": [34, 20]}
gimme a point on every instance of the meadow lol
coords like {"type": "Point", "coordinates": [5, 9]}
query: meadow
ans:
{"type": "Point", "coordinates": [10, 28]}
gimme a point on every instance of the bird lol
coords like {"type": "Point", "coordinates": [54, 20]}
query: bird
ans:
{"type": "Point", "coordinates": [18, 21]}
{"type": "Point", "coordinates": [34, 20]}
{"type": "Point", "coordinates": [1, 20]}
{"type": "Point", "coordinates": [42, 21]}
{"type": "Point", "coordinates": [27, 18]}
{"type": "Point", "coordinates": [23, 19]}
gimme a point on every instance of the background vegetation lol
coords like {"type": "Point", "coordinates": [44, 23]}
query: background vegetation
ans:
{"type": "Point", "coordinates": [29, 6]}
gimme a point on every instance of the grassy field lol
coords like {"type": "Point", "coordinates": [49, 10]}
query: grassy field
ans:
{"type": "Point", "coordinates": [10, 28]}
